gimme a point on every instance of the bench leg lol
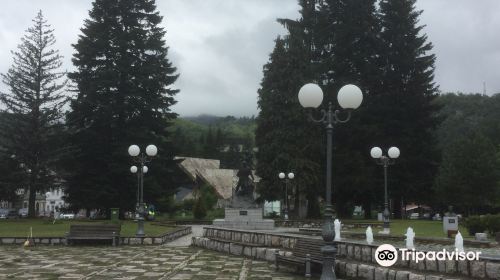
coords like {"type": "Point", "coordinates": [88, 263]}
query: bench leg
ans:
{"type": "Point", "coordinates": [308, 266]}
{"type": "Point", "coordinates": [276, 254]}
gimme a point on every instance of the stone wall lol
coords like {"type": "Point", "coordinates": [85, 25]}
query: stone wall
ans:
{"type": "Point", "coordinates": [157, 240]}
{"type": "Point", "coordinates": [354, 259]}
{"type": "Point", "coordinates": [37, 240]}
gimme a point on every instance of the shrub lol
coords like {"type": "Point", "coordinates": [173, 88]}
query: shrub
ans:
{"type": "Point", "coordinates": [492, 223]}
{"type": "Point", "coordinates": [199, 209]}
{"type": "Point", "coordinates": [475, 224]}
{"type": "Point", "coordinates": [188, 204]}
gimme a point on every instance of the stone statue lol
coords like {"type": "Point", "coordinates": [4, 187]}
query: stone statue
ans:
{"type": "Point", "coordinates": [244, 188]}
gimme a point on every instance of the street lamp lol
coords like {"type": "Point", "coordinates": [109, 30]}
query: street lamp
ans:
{"type": "Point", "coordinates": [141, 159]}
{"type": "Point", "coordinates": [380, 159]}
{"type": "Point", "coordinates": [290, 177]}
{"type": "Point", "coordinates": [349, 97]}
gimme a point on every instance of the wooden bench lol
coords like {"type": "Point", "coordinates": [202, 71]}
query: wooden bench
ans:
{"type": "Point", "coordinates": [94, 232]}
{"type": "Point", "coordinates": [305, 253]}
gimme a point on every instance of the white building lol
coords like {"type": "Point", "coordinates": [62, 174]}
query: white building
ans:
{"type": "Point", "coordinates": [54, 200]}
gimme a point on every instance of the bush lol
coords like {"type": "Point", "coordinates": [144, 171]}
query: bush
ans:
{"type": "Point", "coordinates": [188, 204]}
{"type": "Point", "coordinates": [492, 223]}
{"type": "Point", "coordinates": [199, 209]}
{"type": "Point", "coordinates": [475, 224]}
{"type": "Point", "coordinates": [487, 223]}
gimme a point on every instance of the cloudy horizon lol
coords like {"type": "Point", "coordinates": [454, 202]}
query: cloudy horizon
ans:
{"type": "Point", "coordinates": [219, 47]}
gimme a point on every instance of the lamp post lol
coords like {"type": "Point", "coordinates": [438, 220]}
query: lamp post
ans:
{"type": "Point", "coordinates": [349, 97]}
{"type": "Point", "coordinates": [290, 177]}
{"type": "Point", "coordinates": [385, 161]}
{"type": "Point", "coordinates": [141, 158]}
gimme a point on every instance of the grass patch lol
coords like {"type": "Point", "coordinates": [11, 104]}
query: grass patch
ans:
{"type": "Point", "coordinates": [45, 228]}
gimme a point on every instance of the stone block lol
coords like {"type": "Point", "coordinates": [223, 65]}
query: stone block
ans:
{"type": "Point", "coordinates": [391, 275]}
{"type": "Point", "coordinates": [245, 237]}
{"type": "Point", "coordinates": [493, 270]}
{"type": "Point", "coordinates": [270, 254]}
{"type": "Point", "coordinates": [247, 251]}
{"type": "Point", "coordinates": [477, 269]}
{"type": "Point", "coordinates": [340, 268]}
{"type": "Point", "coordinates": [350, 251]}
{"type": "Point", "coordinates": [147, 241]}
{"type": "Point", "coordinates": [441, 266]}
{"type": "Point", "coordinates": [481, 236]}
{"type": "Point", "coordinates": [285, 242]}
{"type": "Point", "coordinates": [380, 273]}
{"type": "Point", "coordinates": [351, 270]}
{"type": "Point", "coordinates": [357, 253]}
{"type": "Point", "coordinates": [226, 247]}
{"type": "Point", "coordinates": [402, 275]}
{"type": "Point", "coordinates": [432, 277]}
{"type": "Point", "coordinates": [463, 267]}
{"type": "Point", "coordinates": [275, 241]}
{"type": "Point", "coordinates": [414, 276]}
{"type": "Point", "coordinates": [262, 239]}
{"type": "Point", "coordinates": [366, 254]}
{"type": "Point", "coordinates": [135, 241]}
{"type": "Point", "coordinates": [261, 253]}
{"type": "Point", "coordinates": [342, 250]}
{"type": "Point", "coordinates": [236, 249]}
{"type": "Point", "coordinates": [451, 266]}
{"type": "Point", "coordinates": [366, 271]}
{"type": "Point", "coordinates": [431, 265]}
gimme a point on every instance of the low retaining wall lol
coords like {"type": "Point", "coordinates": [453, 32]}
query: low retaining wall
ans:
{"type": "Point", "coordinates": [319, 223]}
{"type": "Point", "coordinates": [354, 259]}
{"type": "Point", "coordinates": [444, 241]}
{"type": "Point", "coordinates": [37, 240]}
{"type": "Point", "coordinates": [156, 240]}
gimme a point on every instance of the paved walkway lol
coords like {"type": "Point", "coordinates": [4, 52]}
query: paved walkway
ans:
{"type": "Point", "coordinates": [170, 261]}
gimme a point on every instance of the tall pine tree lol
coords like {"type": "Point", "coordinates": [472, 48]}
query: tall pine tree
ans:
{"type": "Point", "coordinates": [33, 110]}
{"type": "Point", "coordinates": [285, 139]}
{"type": "Point", "coordinates": [124, 84]}
{"type": "Point", "coordinates": [406, 112]}
{"type": "Point", "coordinates": [347, 36]}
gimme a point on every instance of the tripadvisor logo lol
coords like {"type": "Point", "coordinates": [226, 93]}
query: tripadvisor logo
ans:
{"type": "Point", "coordinates": [387, 255]}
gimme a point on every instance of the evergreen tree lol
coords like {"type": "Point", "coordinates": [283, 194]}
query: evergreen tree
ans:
{"type": "Point", "coordinates": [347, 51]}
{"type": "Point", "coordinates": [124, 84]}
{"type": "Point", "coordinates": [33, 108]}
{"type": "Point", "coordinates": [286, 141]}
{"type": "Point", "coordinates": [406, 112]}
{"type": "Point", "coordinates": [469, 176]}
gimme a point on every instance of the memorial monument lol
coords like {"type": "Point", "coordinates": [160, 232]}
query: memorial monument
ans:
{"type": "Point", "coordinates": [244, 212]}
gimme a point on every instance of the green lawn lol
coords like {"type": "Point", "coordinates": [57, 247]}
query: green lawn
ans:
{"type": "Point", "coordinates": [422, 228]}
{"type": "Point", "coordinates": [43, 227]}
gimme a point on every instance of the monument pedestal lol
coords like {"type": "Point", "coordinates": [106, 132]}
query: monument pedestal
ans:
{"type": "Point", "coordinates": [244, 218]}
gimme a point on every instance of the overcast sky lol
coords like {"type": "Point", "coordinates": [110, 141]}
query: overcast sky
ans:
{"type": "Point", "coordinates": [220, 46]}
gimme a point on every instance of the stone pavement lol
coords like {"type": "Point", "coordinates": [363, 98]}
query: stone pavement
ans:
{"type": "Point", "coordinates": [130, 262]}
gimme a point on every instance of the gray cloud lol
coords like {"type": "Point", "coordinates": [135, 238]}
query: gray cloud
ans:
{"type": "Point", "coordinates": [220, 46]}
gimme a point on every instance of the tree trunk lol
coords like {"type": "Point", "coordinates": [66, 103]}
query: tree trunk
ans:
{"type": "Point", "coordinates": [31, 200]}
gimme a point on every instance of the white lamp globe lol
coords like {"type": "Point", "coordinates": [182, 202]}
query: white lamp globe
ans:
{"type": "Point", "coordinates": [133, 169]}
{"type": "Point", "coordinates": [350, 97]}
{"type": "Point", "coordinates": [134, 150]}
{"type": "Point", "coordinates": [393, 152]}
{"type": "Point", "coordinates": [151, 150]}
{"type": "Point", "coordinates": [310, 96]}
{"type": "Point", "coordinates": [144, 169]}
{"type": "Point", "coordinates": [281, 175]}
{"type": "Point", "coordinates": [291, 175]}
{"type": "Point", "coordinates": [376, 152]}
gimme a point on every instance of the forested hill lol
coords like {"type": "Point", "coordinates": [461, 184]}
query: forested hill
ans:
{"type": "Point", "coordinates": [208, 136]}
